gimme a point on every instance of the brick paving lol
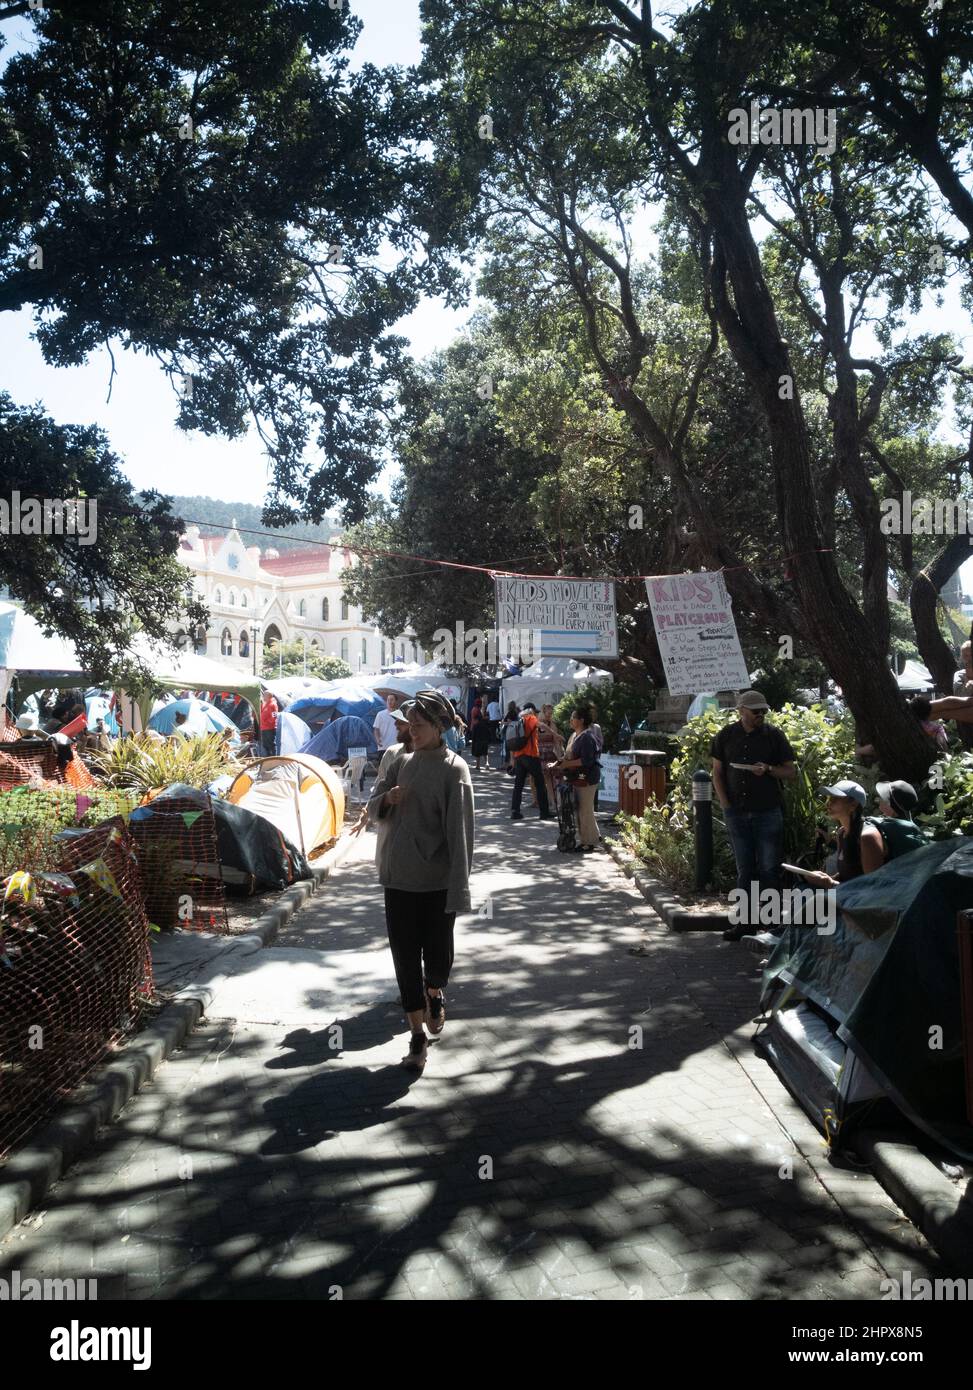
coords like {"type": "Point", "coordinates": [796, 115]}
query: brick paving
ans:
{"type": "Point", "coordinates": [592, 1124]}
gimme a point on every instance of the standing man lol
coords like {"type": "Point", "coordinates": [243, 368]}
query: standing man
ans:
{"type": "Point", "coordinates": [386, 728]}
{"type": "Point", "coordinates": [750, 760]}
{"type": "Point", "coordinates": [268, 724]}
{"type": "Point", "coordinates": [527, 763]}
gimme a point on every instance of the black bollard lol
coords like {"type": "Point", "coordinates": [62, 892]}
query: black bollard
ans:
{"type": "Point", "coordinates": [703, 825]}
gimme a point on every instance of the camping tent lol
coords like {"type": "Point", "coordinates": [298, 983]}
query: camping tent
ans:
{"type": "Point", "coordinates": [201, 718]}
{"type": "Point", "coordinates": [301, 795]}
{"type": "Point", "coordinates": [333, 741]}
{"type": "Point", "coordinates": [291, 735]}
{"type": "Point", "coordinates": [347, 696]}
{"type": "Point", "coordinates": [253, 852]}
{"type": "Point", "coordinates": [547, 680]}
{"type": "Point", "coordinates": [853, 1008]}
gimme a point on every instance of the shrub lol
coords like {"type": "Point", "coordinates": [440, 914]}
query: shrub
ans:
{"type": "Point", "coordinates": [141, 764]}
{"type": "Point", "coordinates": [953, 806]}
{"type": "Point", "coordinates": [30, 817]}
{"type": "Point", "coordinates": [614, 702]}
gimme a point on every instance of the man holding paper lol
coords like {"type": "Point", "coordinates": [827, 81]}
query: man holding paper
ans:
{"type": "Point", "coordinates": [750, 760]}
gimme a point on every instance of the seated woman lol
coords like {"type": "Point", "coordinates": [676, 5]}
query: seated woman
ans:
{"type": "Point", "coordinates": [859, 844]}
{"type": "Point", "coordinates": [899, 832]}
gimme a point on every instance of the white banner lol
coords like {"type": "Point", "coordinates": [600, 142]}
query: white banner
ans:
{"type": "Point", "coordinates": [568, 617]}
{"type": "Point", "coordinates": [698, 640]}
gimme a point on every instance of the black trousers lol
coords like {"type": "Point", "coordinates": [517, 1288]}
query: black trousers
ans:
{"type": "Point", "coordinates": [420, 932]}
{"type": "Point", "coordinates": [525, 767]}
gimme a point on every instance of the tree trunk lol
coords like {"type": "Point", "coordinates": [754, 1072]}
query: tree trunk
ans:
{"type": "Point", "coordinates": [923, 598]}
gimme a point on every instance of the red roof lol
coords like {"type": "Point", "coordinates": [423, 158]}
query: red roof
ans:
{"type": "Point", "coordinates": [314, 561]}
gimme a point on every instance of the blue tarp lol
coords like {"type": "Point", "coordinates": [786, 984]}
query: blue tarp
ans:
{"type": "Point", "coordinates": [292, 734]}
{"type": "Point", "coordinates": [344, 696]}
{"type": "Point", "coordinates": [334, 740]}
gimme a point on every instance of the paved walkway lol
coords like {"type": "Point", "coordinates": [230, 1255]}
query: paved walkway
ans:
{"type": "Point", "coordinates": [592, 1123]}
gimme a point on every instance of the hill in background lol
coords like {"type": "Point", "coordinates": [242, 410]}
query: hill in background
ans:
{"type": "Point", "coordinates": [213, 516]}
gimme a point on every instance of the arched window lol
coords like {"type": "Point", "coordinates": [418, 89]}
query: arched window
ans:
{"type": "Point", "coordinates": [217, 595]}
{"type": "Point", "coordinates": [325, 610]}
{"type": "Point", "coordinates": [226, 643]}
{"type": "Point", "coordinates": [231, 598]}
{"type": "Point", "coordinates": [244, 642]}
{"type": "Point", "coordinates": [383, 651]}
{"type": "Point", "coordinates": [200, 641]}
{"type": "Point", "coordinates": [302, 608]}
{"type": "Point", "coordinates": [364, 651]}
{"type": "Point", "coordinates": [344, 648]}
{"type": "Point", "coordinates": [244, 602]}
{"type": "Point", "coordinates": [315, 643]}
{"type": "Point", "coordinates": [344, 610]}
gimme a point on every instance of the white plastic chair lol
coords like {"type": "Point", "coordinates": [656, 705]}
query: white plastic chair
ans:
{"type": "Point", "coordinates": [351, 775]}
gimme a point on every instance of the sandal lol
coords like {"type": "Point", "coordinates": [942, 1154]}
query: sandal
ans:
{"type": "Point", "coordinates": [415, 1058]}
{"type": "Point", "coordinates": [435, 1012]}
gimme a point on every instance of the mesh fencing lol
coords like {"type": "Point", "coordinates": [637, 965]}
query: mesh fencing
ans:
{"type": "Point", "coordinates": [33, 762]}
{"type": "Point", "coordinates": [75, 972]}
{"type": "Point", "coordinates": [179, 865]}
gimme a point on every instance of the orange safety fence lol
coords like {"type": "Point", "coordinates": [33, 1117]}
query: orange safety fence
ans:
{"type": "Point", "coordinates": [75, 971]}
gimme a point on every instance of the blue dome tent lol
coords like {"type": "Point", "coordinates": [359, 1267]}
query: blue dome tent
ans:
{"type": "Point", "coordinates": [332, 743]}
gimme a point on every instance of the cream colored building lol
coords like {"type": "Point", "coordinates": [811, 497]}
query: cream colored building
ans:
{"type": "Point", "coordinates": [257, 597]}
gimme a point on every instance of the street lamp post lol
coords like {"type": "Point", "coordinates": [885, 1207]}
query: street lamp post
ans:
{"type": "Point", "coordinates": [305, 653]}
{"type": "Point", "coordinates": [254, 631]}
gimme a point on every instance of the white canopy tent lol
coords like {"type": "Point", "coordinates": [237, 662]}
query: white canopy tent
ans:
{"type": "Point", "coordinates": [915, 677]}
{"type": "Point", "coordinates": [548, 680]}
{"type": "Point", "coordinates": [41, 662]}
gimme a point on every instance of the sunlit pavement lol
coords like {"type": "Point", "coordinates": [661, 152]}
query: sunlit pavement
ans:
{"type": "Point", "coordinates": [592, 1124]}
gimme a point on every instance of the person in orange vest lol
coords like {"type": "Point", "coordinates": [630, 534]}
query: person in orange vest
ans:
{"type": "Point", "coordinates": [527, 762]}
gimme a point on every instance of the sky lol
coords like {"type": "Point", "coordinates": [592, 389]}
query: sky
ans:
{"type": "Point", "coordinates": [139, 417]}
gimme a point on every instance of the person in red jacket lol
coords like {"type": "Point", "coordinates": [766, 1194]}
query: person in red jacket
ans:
{"type": "Point", "coordinates": [268, 723]}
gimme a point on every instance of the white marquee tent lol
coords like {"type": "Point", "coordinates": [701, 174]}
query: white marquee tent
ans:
{"type": "Point", "coordinates": [547, 680]}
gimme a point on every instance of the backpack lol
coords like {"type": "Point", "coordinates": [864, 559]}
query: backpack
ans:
{"type": "Point", "coordinates": [517, 736]}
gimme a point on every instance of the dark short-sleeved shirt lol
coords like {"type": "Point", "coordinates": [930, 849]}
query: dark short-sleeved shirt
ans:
{"type": "Point", "coordinates": [767, 745]}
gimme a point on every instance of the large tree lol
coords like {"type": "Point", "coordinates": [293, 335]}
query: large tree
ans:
{"type": "Point", "coordinates": [206, 182]}
{"type": "Point", "coordinates": [599, 90]}
{"type": "Point", "coordinates": [119, 577]}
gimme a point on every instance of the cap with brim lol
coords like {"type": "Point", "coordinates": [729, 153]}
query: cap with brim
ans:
{"type": "Point", "coordinates": [851, 790]}
{"type": "Point", "coordinates": [27, 721]}
{"type": "Point", "coordinates": [752, 699]}
{"type": "Point", "coordinates": [901, 796]}
{"type": "Point", "coordinates": [400, 715]}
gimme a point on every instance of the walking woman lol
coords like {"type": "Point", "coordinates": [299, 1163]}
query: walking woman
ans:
{"type": "Point", "coordinates": [583, 770]}
{"type": "Point", "coordinates": [423, 803]}
{"type": "Point", "coordinates": [511, 717]}
{"type": "Point", "coordinates": [480, 728]}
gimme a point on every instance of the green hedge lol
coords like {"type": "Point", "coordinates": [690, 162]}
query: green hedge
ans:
{"type": "Point", "coordinates": [613, 700]}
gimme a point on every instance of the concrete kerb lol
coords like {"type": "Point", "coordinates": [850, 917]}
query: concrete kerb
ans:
{"type": "Point", "coordinates": [941, 1210]}
{"type": "Point", "coordinates": [671, 909]}
{"type": "Point", "coordinates": [30, 1172]}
